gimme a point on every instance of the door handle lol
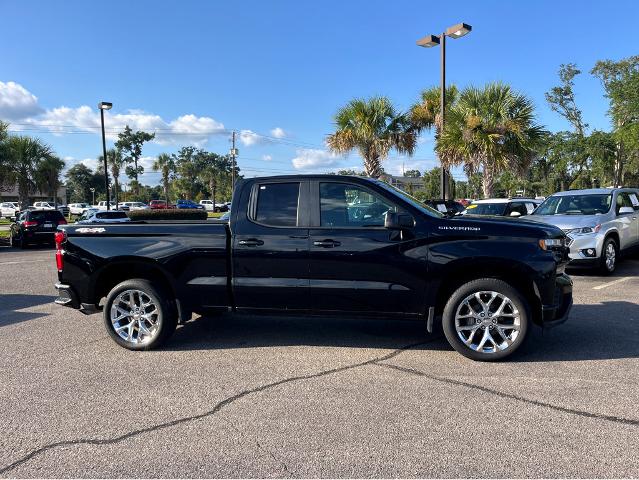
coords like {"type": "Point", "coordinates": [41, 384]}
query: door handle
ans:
{"type": "Point", "coordinates": [326, 243]}
{"type": "Point", "coordinates": [251, 242]}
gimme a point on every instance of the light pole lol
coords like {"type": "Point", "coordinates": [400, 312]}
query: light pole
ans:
{"type": "Point", "coordinates": [105, 106]}
{"type": "Point", "coordinates": [92, 195]}
{"type": "Point", "coordinates": [456, 31]}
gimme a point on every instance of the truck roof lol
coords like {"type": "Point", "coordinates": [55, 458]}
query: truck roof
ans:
{"type": "Point", "coordinates": [328, 176]}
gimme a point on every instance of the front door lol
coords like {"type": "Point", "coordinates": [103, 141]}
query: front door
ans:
{"type": "Point", "coordinates": [270, 248]}
{"type": "Point", "coordinates": [357, 265]}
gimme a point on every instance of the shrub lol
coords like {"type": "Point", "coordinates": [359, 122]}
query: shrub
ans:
{"type": "Point", "coordinates": [168, 214]}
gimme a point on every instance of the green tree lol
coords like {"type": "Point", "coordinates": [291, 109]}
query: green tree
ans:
{"type": "Point", "coordinates": [130, 145]}
{"type": "Point", "coordinates": [372, 127]}
{"type": "Point", "coordinates": [115, 163]}
{"type": "Point", "coordinates": [413, 173]}
{"type": "Point", "coordinates": [47, 176]}
{"type": "Point", "coordinates": [490, 129]}
{"type": "Point", "coordinates": [5, 173]}
{"type": "Point", "coordinates": [80, 180]}
{"type": "Point", "coordinates": [187, 168]}
{"type": "Point", "coordinates": [620, 80]}
{"type": "Point", "coordinates": [24, 157]}
{"type": "Point", "coordinates": [165, 164]}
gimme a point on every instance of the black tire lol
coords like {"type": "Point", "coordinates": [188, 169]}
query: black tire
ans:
{"type": "Point", "coordinates": [486, 285]}
{"type": "Point", "coordinates": [604, 267]}
{"type": "Point", "coordinates": [20, 242]}
{"type": "Point", "coordinates": [166, 317]}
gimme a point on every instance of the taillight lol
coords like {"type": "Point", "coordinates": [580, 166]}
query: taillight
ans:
{"type": "Point", "coordinates": [30, 223]}
{"type": "Point", "coordinates": [59, 237]}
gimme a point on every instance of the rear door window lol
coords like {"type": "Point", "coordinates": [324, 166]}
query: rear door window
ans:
{"type": "Point", "coordinates": [277, 204]}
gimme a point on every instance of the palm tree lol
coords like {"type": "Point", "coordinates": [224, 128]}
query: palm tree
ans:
{"type": "Point", "coordinates": [373, 128]}
{"type": "Point", "coordinates": [491, 130]}
{"type": "Point", "coordinates": [47, 176]}
{"type": "Point", "coordinates": [24, 156]}
{"type": "Point", "coordinates": [165, 164]}
{"type": "Point", "coordinates": [115, 163]}
{"type": "Point", "coordinates": [425, 114]}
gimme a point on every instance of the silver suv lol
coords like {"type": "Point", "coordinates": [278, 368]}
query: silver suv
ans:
{"type": "Point", "coordinates": [600, 223]}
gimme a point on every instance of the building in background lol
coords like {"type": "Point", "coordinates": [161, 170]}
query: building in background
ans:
{"type": "Point", "coordinates": [407, 184]}
{"type": "Point", "coordinates": [10, 194]}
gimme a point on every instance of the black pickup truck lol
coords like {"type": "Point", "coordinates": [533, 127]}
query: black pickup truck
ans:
{"type": "Point", "coordinates": [321, 245]}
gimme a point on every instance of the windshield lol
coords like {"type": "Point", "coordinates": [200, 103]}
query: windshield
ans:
{"type": "Point", "coordinates": [486, 209]}
{"type": "Point", "coordinates": [577, 204]}
{"type": "Point", "coordinates": [410, 199]}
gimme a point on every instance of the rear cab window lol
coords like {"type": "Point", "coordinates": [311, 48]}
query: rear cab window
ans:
{"type": "Point", "coordinates": [277, 204]}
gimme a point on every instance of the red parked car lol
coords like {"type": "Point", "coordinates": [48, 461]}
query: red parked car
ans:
{"type": "Point", "coordinates": [158, 205]}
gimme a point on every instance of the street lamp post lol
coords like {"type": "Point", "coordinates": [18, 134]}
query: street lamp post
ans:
{"type": "Point", "coordinates": [92, 195]}
{"type": "Point", "coordinates": [456, 31]}
{"type": "Point", "coordinates": [105, 106]}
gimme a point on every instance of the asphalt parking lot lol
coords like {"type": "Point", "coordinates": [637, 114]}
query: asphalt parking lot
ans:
{"type": "Point", "coordinates": [242, 396]}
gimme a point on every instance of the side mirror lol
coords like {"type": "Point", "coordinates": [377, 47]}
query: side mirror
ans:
{"type": "Point", "coordinates": [397, 221]}
{"type": "Point", "coordinates": [515, 214]}
{"type": "Point", "coordinates": [626, 210]}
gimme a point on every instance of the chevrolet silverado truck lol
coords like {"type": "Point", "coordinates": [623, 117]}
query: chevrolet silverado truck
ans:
{"type": "Point", "coordinates": [321, 245]}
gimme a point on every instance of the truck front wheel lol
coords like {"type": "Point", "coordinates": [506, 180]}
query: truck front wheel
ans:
{"type": "Point", "coordinates": [486, 319]}
{"type": "Point", "coordinates": [137, 316]}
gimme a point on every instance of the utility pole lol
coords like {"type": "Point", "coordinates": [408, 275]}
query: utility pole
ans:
{"type": "Point", "coordinates": [234, 153]}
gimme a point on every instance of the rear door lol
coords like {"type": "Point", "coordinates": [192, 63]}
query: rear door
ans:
{"type": "Point", "coordinates": [270, 247]}
{"type": "Point", "coordinates": [357, 265]}
{"type": "Point", "coordinates": [631, 199]}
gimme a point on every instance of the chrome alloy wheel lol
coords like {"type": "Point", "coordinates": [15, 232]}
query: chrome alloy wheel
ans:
{"type": "Point", "coordinates": [611, 256]}
{"type": "Point", "coordinates": [487, 322]}
{"type": "Point", "coordinates": [135, 317]}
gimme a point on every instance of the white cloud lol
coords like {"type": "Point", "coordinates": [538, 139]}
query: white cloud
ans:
{"type": "Point", "coordinates": [277, 132]}
{"type": "Point", "coordinates": [16, 102]}
{"type": "Point", "coordinates": [249, 137]}
{"type": "Point", "coordinates": [313, 159]}
{"type": "Point", "coordinates": [267, 158]}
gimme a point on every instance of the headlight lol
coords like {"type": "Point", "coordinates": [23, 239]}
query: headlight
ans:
{"type": "Point", "coordinates": [546, 243]}
{"type": "Point", "coordinates": [585, 230]}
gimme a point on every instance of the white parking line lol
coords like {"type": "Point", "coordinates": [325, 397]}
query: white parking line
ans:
{"type": "Point", "coordinates": [609, 284]}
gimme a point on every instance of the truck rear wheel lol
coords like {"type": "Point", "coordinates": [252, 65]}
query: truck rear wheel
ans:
{"type": "Point", "coordinates": [137, 316]}
{"type": "Point", "coordinates": [486, 319]}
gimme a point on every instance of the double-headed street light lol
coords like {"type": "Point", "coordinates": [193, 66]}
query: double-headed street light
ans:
{"type": "Point", "coordinates": [105, 106]}
{"type": "Point", "coordinates": [456, 31]}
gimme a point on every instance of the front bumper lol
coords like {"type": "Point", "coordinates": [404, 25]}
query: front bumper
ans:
{"type": "Point", "coordinates": [68, 298]}
{"type": "Point", "coordinates": [579, 243]}
{"type": "Point", "coordinates": [557, 313]}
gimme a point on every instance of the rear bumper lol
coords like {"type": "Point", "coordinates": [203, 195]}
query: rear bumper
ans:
{"type": "Point", "coordinates": [557, 313]}
{"type": "Point", "coordinates": [68, 298]}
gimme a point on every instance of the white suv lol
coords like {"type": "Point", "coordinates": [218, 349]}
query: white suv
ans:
{"type": "Point", "coordinates": [9, 209]}
{"type": "Point", "coordinates": [600, 223]}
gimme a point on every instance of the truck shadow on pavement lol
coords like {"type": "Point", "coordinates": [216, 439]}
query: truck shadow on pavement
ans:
{"type": "Point", "coordinates": [10, 304]}
{"type": "Point", "coordinates": [593, 332]}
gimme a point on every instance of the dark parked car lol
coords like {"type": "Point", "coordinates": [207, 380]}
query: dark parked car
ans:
{"type": "Point", "coordinates": [503, 207]}
{"type": "Point", "coordinates": [35, 226]}
{"type": "Point", "coordinates": [328, 245]}
{"type": "Point", "coordinates": [188, 204]}
{"type": "Point", "coordinates": [447, 207]}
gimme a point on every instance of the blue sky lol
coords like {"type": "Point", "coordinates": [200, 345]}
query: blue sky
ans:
{"type": "Point", "coordinates": [193, 70]}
